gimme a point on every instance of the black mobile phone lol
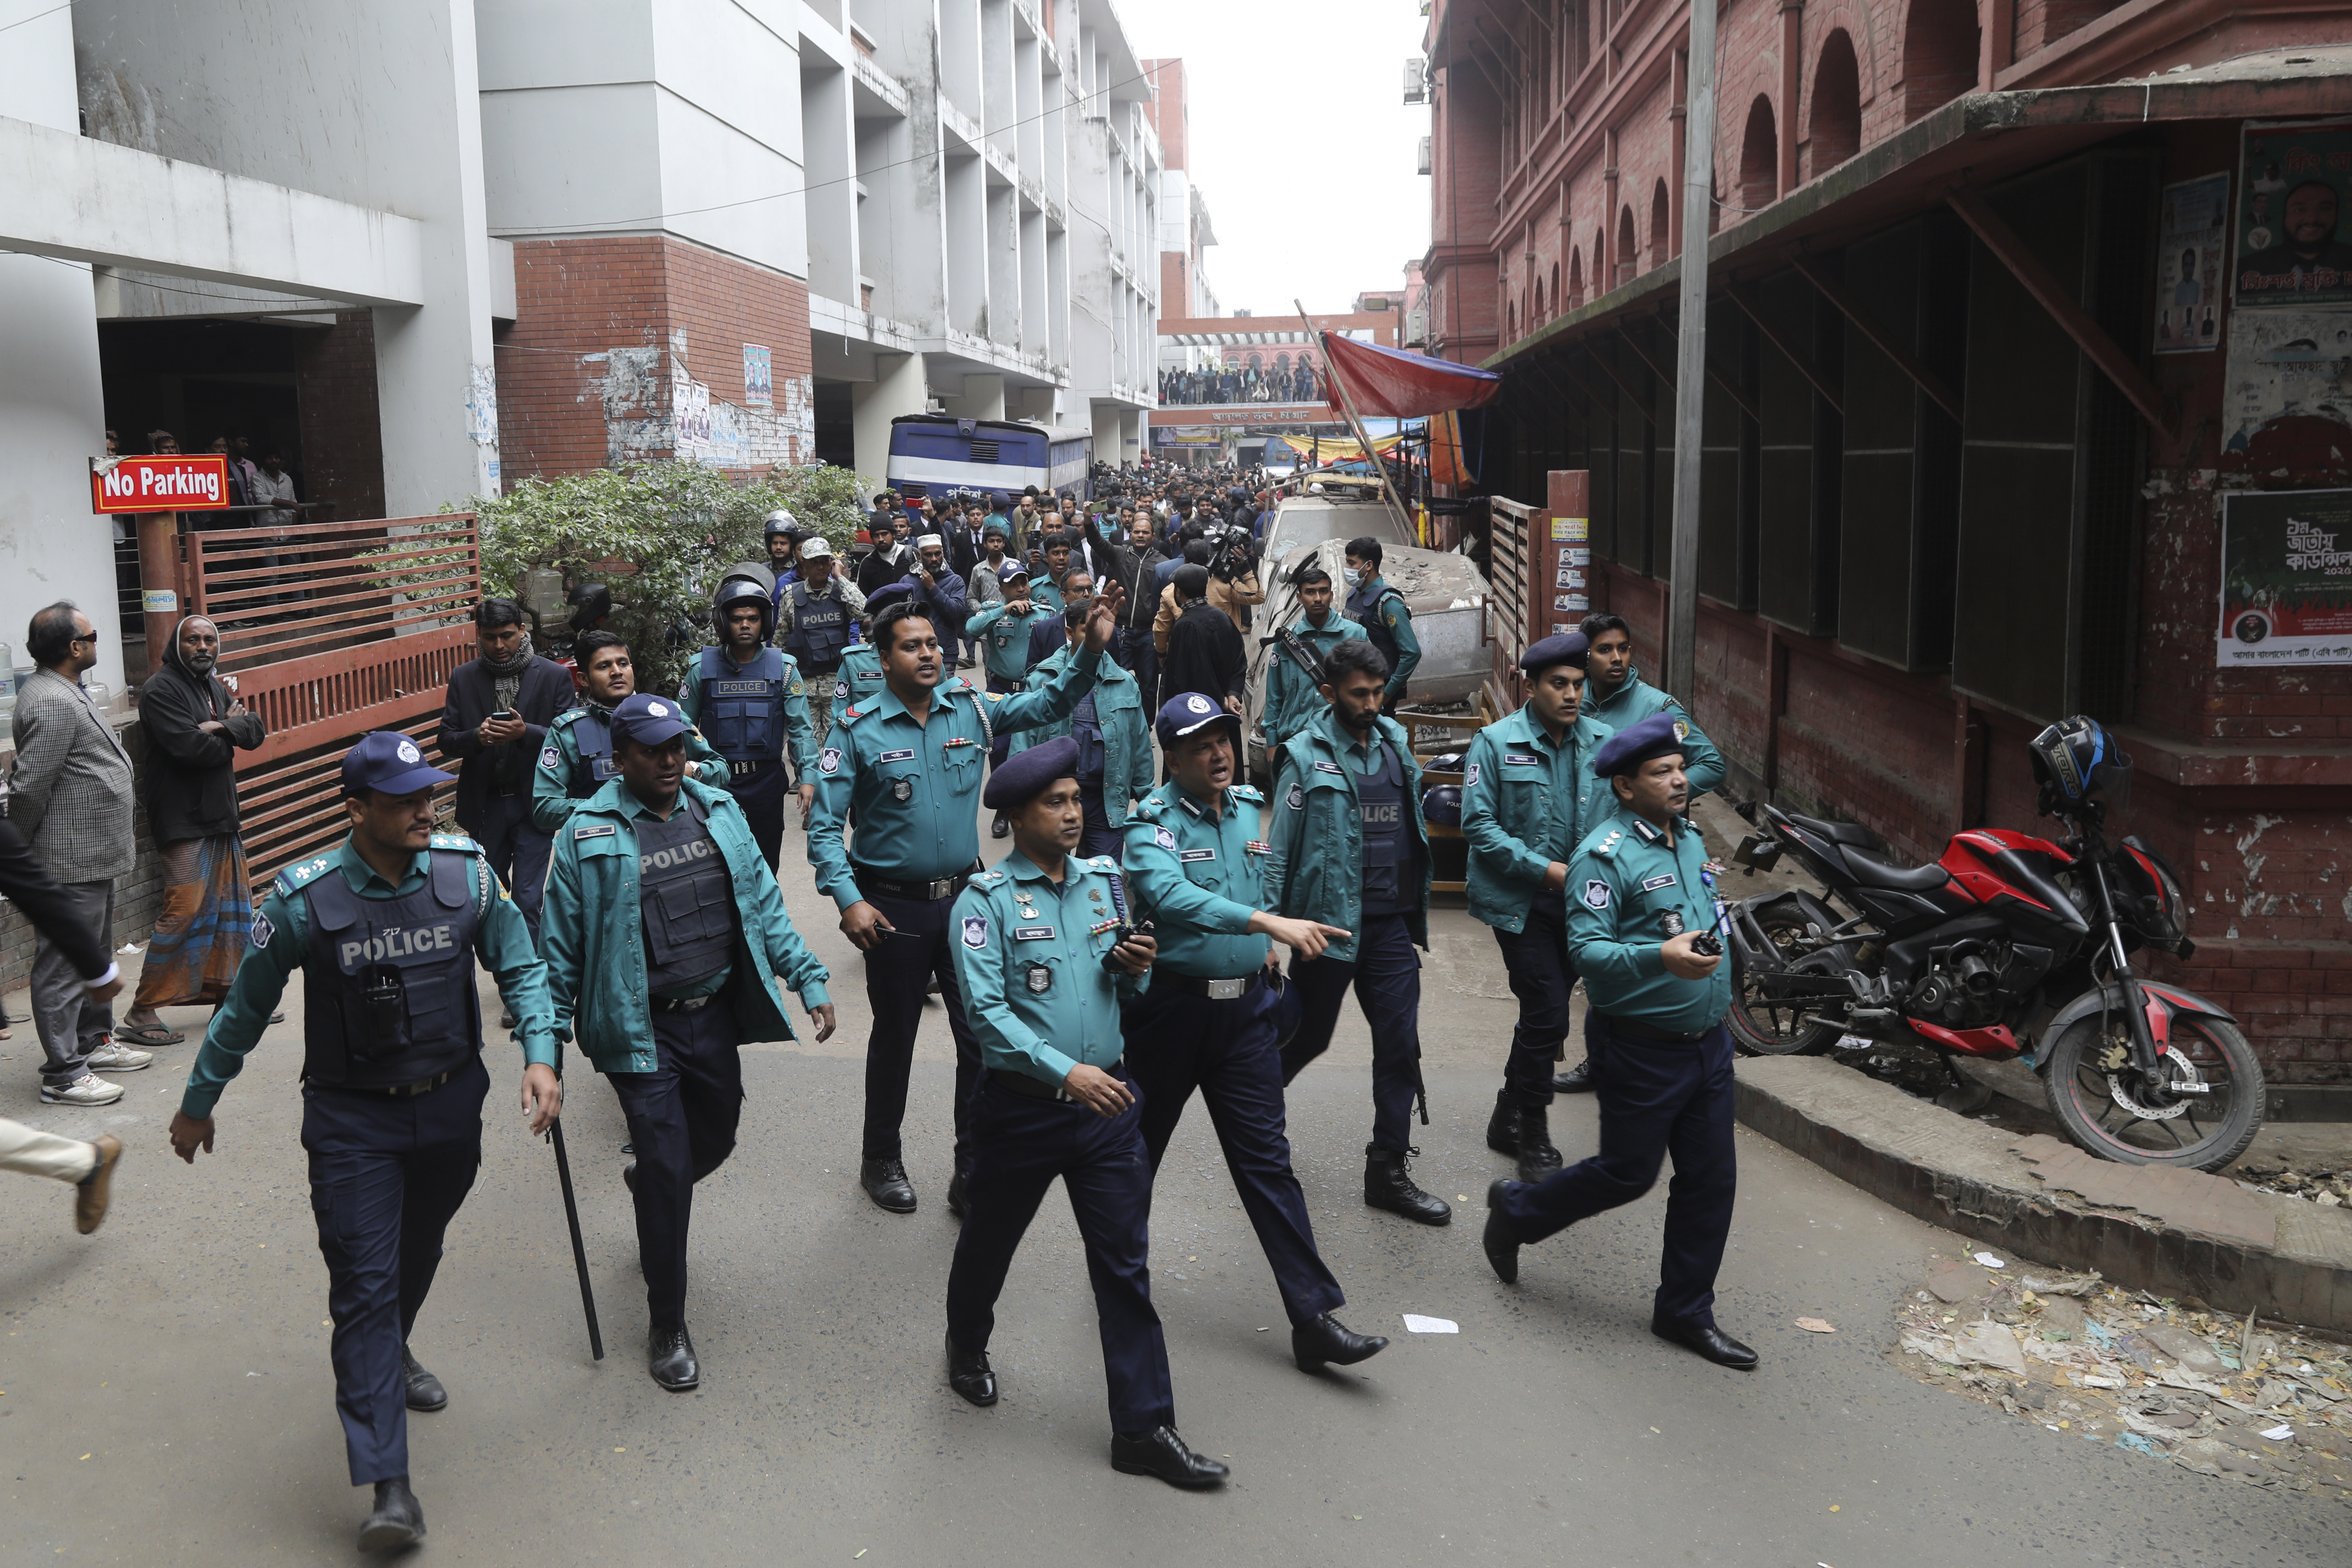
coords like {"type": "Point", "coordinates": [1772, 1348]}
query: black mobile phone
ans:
{"type": "Point", "coordinates": [505, 714]}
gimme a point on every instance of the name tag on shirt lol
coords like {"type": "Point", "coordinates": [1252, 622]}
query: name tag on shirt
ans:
{"type": "Point", "coordinates": [895, 757]}
{"type": "Point", "coordinates": [1515, 759]}
{"type": "Point", "coordinates": [1328, 768]}
{"type": "Point", "coordinates": [1198, 855]}
{"type": "Point", "coordinates": [605, 830]}
{"type": "Point", "coordinates": [1655, 883]}
{"type": "Point", "coordinates": [1033, 933]}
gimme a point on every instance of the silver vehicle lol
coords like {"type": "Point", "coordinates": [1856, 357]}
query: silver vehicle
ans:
{"type": "Point", "coordinates": [1445, 591]}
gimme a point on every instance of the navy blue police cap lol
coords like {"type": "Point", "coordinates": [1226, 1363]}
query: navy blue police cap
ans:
{"type": "Point", "coordinates": [886, 595]}
{"type": "Point", "coordinates": [1010, 569]}
{"type": "Point", "coordinates": [1022, 777]}
{"type": "Point", "coordinates": [1660, 735]}
{"type": "Point", "coordinates": [1185, 712]}
{"type": "Point", "coordinates": [389, 762]}
{"type": "Point", "coordinates": [648, 720]}
{"type": "Point", "coordinates": [1568, 648]}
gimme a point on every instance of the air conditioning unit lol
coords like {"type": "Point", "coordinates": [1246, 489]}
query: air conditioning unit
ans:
{"type": "Point", "coordinates": [1416, 81]}
{"type": "Point", "coordinates": [1416, 327]}
{"type": "Point", "coordinates": [1422, 162]}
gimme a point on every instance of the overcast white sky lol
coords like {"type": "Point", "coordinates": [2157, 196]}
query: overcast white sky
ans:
{"type": "Point", "coordinates": [1302, 145]}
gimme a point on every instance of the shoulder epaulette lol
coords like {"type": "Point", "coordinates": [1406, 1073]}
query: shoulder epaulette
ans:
{"type": "Point", "coordinates": [567, 718]}
{"type": "Point", "coordinates": [290, 879]}
{"type": "Point", "coordinates": [456, 841]}
{"type": "Point", "coordinates": [986, 879]}
{"type": "Point", "coordinates": [1105, 864]}
{"type": "Point", "coordinates": [852, 713]}
{"type": "Point", "coordinates": [1607, 845]}
{"type": "Point", "coordinates": [1246, 792]}
{"type": "Point", "coordinates": [1148, 808]}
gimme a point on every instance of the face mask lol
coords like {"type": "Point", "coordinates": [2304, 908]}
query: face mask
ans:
{"type": "Point", "coordinates": [1355, 578]}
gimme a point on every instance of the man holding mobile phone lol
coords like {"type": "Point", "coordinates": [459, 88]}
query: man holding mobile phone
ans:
{"type": "Point", "coordinates": [493, 722]}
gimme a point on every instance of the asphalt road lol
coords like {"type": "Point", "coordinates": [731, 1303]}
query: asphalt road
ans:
{"type": "Point", "coordinates": [167, 1393]}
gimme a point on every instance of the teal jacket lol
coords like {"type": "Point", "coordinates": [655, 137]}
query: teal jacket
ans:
{"type": "Point", "coordinates": [592, 929]}
{"type": "Point", "coordinates": [552, 800]}
{"type": "Point", "coordinates": [1525, 804]}
{"type": "Point", "coordinates": [1291, 699]}
{"type": "Point", "coordinates": [1637, 700]}
{"type": "Point", "coordinates": [1628, 890]}
{"type": "Point", "coordinates": [1127, 767]}
{"type": "Point", "coordinates": [859, 679]}
{"type": "Point", "coordinates": [1005, 638]}
{"type": "Point", "coordinates": [1316, 869]}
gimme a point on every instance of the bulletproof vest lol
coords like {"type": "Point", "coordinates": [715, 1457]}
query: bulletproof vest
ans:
{"type": "Point", "coordinates": [742, 711]}
{"type": "Point", "coordinates": [593, 734]}
{"type": "Point", "coordinates": [820, 629]}
{"type": "Point", "coordinates": [1364, 609]}
{"type": "Point", "coordinates": [1086, 729]}
{"type": "Point", "coordinates": [388, 983]}
{"type": "Point", "coordinates": [688, 900]}
{"type": "Point", "coordinates": [1390, 887]}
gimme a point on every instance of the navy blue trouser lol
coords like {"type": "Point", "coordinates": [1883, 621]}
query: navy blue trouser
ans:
{"type": "Point", "coordinates": [1099, 836]}
{"type": "Point", "coordinates": [386, 1174]}
{"type": "Point", "coordinates": [517, 852]}
{"type": "Point", "coordinates": [898, 974]}
{"type": "Point", "coordinates": [1656, 1100]}
{"type": "Point", "coordinates": [1135, 654]}
{"type": "Point", "coordinates": [1542, 976]}
{"type": "Point", "coordinates": [1019, 1146]}
{"type": "Point", "coordinates": [761, 796]}
{"type": "Point", "coordinates": [682, 1118]}
{"type": "Point", "coordinates": [1386, 974]}
{"type": "Point", "coordinates": [1177, 1042]}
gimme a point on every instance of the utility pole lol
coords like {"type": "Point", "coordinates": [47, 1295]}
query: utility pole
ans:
{"type": "Point", "coordinates": [1690, 356]}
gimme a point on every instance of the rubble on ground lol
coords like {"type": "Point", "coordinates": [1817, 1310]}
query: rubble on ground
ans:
{"type": "Point", "coordinates": [2263, 1403]}
{"type": "Point", "coordinates": [2329, 1189]}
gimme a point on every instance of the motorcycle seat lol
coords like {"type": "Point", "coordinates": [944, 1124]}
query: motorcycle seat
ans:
{"type": "Point", "coordinates": [1872, 871]}
{"type": "Point", "coordinates": [1853, 834]}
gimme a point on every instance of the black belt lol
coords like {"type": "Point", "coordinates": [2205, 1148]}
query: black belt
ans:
{"type": "Point", "coordinates": [746, 770]}
{"type": "Point", "coordinates": [1216, 991]}
{"type": "Point", "coordinates": [681, 1004]}
{"type": "Point", "coordinates": [1021, 1083]}
{"type": "Point", "coordinates": [422, 1086]}
{"type": "Point", "coordinates": [921, 891]}
{"type": "Point", "coordinates": [1631, 1030]}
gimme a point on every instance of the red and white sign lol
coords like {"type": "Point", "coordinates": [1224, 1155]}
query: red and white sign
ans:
{"type": "Point", "coordinates": [159, 485]}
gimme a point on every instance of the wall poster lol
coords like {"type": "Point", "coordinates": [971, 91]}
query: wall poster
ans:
{"type": "Point", "coordinates": [2286, 578]}
{"type": "Point", "coordinates": [2293, 208]}
{"type": "Point", "coordinates": [2191, 249]}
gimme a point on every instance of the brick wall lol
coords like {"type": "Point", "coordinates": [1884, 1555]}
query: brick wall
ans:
{"type": "Point", "coordinates": [343, 435]}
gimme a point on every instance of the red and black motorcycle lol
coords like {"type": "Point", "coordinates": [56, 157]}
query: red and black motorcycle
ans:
{"type": "Point", "coordinates": [2009, 947]}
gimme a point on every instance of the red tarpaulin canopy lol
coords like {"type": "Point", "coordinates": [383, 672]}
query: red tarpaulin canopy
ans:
{"type": "Point", "coordinates": [1392, 384]}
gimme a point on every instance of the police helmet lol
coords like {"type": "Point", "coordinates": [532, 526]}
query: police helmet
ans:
{"type": "Point", "coordinates": [1441, 804]}
{"type": "Point", "coordinates": [590, 605]}
{"type": "Point", "coordinates": [1451, 762]}
{"type": "Point", "coordinates": [746, 582]}
{"type": "Point", "coordinates": [2075, 757]}
{"type": "Point", "coordinates": [780, 521]}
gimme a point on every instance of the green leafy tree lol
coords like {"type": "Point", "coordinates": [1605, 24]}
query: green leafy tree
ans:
{"type": "Point", "coordinates": [658, 535]}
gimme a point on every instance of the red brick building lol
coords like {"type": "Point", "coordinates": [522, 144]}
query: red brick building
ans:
{"type": "Point", "coordinates": [1998, 321]}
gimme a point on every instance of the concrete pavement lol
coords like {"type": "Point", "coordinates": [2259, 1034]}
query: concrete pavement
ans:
{"type": "Point", "coordinates": [166, 1386]}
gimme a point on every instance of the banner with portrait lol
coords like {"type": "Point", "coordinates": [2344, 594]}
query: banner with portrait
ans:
{"type": "Point", "coordinates": [2294, 214]}
{"type": "Point", "coordinates": [2286, 578]}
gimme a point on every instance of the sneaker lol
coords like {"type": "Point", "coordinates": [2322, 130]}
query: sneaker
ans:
{"type": "Point", "coordinates": [116, 1057]}
{"type": "Point", "coordinates": [87, 1090]}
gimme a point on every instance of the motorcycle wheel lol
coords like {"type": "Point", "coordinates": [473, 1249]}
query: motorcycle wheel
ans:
{"type": "Point", "coordinates": [1763, 1027]}
{"type": "Point", "coordinates": [2106, 1110]}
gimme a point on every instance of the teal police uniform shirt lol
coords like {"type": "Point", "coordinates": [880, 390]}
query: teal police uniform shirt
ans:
{"type": "Point", "coordinates": [281, 936]}
{"type": "Point", "coordinates": [1634, 700]}
{"type": "Point", "coordinates": [798, 744]}
{"type": "Point", "coordinates": [1004, 636]}
{"type": "Point", "coordinates": [1029, 957]}
{"type": "Point", "coordinates": [913, 788]}
{"type": "Point", "coordinates": [1628, 890]}
{"type": "Point", "coordinates": [1526, 803]}
{"type": "Point", "coordinates": [1292, 700]}
{"type": "Point", "coordinates": [859, 679]}
{"type": "Point", "coordinates": [1200, 875]}
{"type": "Point", "coordinates": [553, 798]}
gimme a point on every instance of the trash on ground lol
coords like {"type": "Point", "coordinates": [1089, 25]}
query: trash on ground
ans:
{"type": "Point", "coordinates": [1816, 1325]}
{"type": "Point", "coordinates": [1988, 1260]}
{"type": "Point", "coordinates": [2329, 1189]}
{"type": "Point", "coordinates": [1415, 1323]}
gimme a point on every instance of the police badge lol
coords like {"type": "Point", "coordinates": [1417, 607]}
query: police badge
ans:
{"type": "Point", "coordinates": [1038, 978]}
{"type": "Point", "coordinates": [1596, 894]}
{"type": "Point", "coordinates": [902, 790]}
{"type": "Point", "coordinates": [1672, 920]}
{"type": "Point", "coordinates": [975, 930]}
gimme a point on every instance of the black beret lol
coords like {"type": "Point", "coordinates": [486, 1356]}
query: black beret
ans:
{"type": "Point", "coordinates": [1568, 648]}
{"type": "Point", "coordinates": [1022, 777]}
{"type": "Point", "coordinates": [1660, 735]}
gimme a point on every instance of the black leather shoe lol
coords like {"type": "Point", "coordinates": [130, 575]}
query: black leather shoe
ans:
{"type": "Point", "coordinates": [1324, 1340]}
{"type": "Point", "coordinates": [1538, 1158]}
{"type": "Point", "coordinates": [1160, 1452]}
{"type": "Point", "coordinates": [398, 1520]}
{"type": "Point", "coordinates": [1502, 1251]}
{"type": "Point", "coordinates": [425, 1390]}
{"type": "Point", "coordinates": [1706, 1340]}
{"type": "Point", "coordinates": [999, 827]}
{"type": "Point", "coordinates": [1577, 1080]}
{"type": "Point", "coordinates": [1386, 1186]}
{"type": "Point", "coordinates": [969, 1374]}
{"type": "Point", "coordinates": [629, 1177]}
{"type": "Point", "coordinates": [506, 1019]}
{"type": "Point", "coordinates": [669, 1356]}
{"type": "Point", "coordinates": [955, 1195]}
{"type": "Point", "coordinates": [1503, 1126]}
{"type": "Point", "coordinates": [886, 1183]}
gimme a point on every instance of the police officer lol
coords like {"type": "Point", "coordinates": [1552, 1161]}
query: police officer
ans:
{"type": "Point", "coordinates": [749, 700]}
{"type": "Point", "coordinates": [1644, 931]}
{"type": "Point", "coordinates": [906, 766]}
{"type": "Point", "coordinates": [860, 680]}
{"type": "Point", "coordinates": [1293, 698]}
{"type": "Point", "coordinates": [384, 929]}
{"type": "Point", "coordinates": [1529, 795]}
{"type": "Point", "coordinates": [1616, 696]}
{"type": "Point", "coordinates": [1207, 1022]}
{"type": "Point", "coordinates": [1044, 958]}
{"type": "Point", "coordinates": [1375, 604]}
{"type": "Point", "coordinates": [1114, 739]}
{"type": "Point", "coordinates": [1001, 628]}
{"type": "Point", "coordinates": [1350, 851]}
{"type": "Point", "coordinates": [663, 926]}
{"type": "Point", "coordinates": [818, 614]}
{"type": "Point", "coordinates": [781, 533]}
{"type": "Point", "coordinates": [577, 759]}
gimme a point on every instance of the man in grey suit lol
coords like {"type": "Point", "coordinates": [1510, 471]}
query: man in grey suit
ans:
{"type": "Point", "coordinates": [70, 796]}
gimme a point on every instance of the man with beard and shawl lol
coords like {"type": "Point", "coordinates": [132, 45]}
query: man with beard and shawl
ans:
{"type": "Point", "coordinates": [194, 726]}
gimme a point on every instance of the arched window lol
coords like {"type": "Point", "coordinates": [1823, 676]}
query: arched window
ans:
{"type": "Point", "coordinates": [1515, 320]}
{"type": "Point", "coordinates": [1575, 277]}
{"type": "Point", "coordinates": [1626, 265]}
{"type": "Point", "coordinates": [1759, 157]}
{"type": "Point", "coordinates": [1555, 288]}
{"type": "Point", "coordinates": [1658, 225]}
{"type": "Point", "coordinates": [1939, 54]}
{"type": "Point", "coordinates": [1836, 132]}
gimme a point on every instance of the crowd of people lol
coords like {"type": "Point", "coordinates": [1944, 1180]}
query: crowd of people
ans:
{"type": "Point", "coordinates": [1240, 383]}
{"type": "Point", "coordinates": [616, 873]}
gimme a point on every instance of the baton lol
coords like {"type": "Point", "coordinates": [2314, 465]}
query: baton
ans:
{"type": "Point", "coordinates": [579, 1251]}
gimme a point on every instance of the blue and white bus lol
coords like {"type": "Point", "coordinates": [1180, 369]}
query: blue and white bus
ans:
{"type": "Point", "coordinates": [935, 453]}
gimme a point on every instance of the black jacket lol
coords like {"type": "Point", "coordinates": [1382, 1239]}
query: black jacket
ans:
{"type": "Point", "coordinates": [1204, 654]}
{"type": "Point", "coordinates": [27, 884]}
{"type": "Point", "coordinates": [1132, 572]}
{"type": "Point", "coordinates": [192, 772]}
{"type": "Point", "coordinates": [965, 551]}
{"type": "Point", "coordinates": [472, 697]}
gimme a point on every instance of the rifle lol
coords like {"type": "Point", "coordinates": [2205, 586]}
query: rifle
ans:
{"type": "Point", "coordinates": [1299, 653]}
{"type": "Point", "coordinates": [578, 1250]}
